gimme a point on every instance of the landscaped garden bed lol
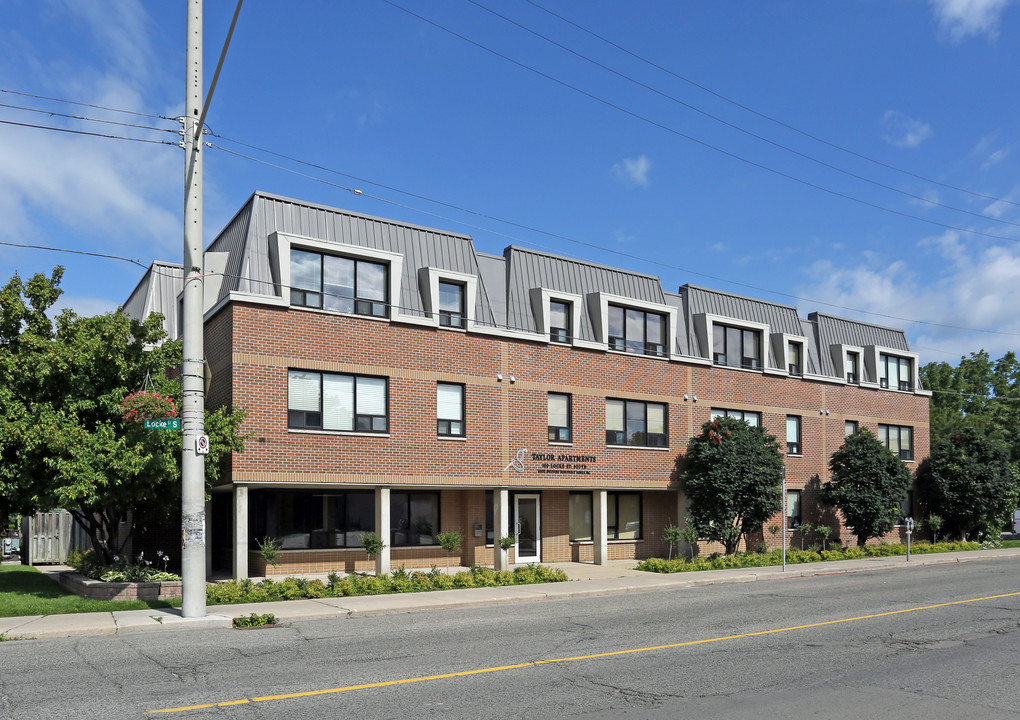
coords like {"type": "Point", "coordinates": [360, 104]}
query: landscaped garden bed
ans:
{"type": "Point", "coordinates": [796, 557]}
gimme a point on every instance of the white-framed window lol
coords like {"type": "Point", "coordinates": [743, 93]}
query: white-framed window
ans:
{"type": "Point", "coordinates": [749, 416]}
{"type": "Point", "coordinates": [451, 304]}
{"type": "Point", "coordinates": [736, 347]}
{"type": "Point", "coordinates": [853, 368]}
{"type": "Point", "coordinates": [636, 423]}
{"type": "Point", "coordinates": [637, 331]}
{"type": "Point", "coordinates": [559, 417]}
{"type": "Point", "coordinates": [340, 283]}
{"type": "Point", "coordinates": [895, 373]}
{"type": "Point", "coordinates": [560, 322]}
{"type": "Point", "coordinates": [795, 356]}
{"type": "Point", "coordinates": [793, 435]}
{"type": "Point", "coordinates": [450, 410]}
{"type": "Point", "coordinates": [326, 401]}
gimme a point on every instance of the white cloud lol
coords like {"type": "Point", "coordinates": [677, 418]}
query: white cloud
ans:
{"type": "Point", "coordinates": [976, 288]}
{"type": "Point", "coordinates": [903, 131]}
{"type": "Point", "coordinates": [634, 169]}
{"type": "Point", "coordinates": [96, 191]}
{"type": "Point", "coordinates": [959, 19]}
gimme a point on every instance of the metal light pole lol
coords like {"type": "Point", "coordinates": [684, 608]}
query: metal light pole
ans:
{"type": "Point", "coordinates": [784, 518]}
{"type": "Point", "coordinates": [193, 570]}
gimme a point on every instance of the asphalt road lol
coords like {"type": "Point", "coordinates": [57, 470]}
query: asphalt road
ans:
{"type": "Point", "coordinates": [927, 642]}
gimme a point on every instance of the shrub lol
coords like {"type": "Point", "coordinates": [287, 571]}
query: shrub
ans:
{"type": "Point", "coordinates": [464, 579]}
{"type": "Point", "coordinates": [254, 620]}
{"type": "Point", "coordinates": [270, 548]}
{"type": "Point", "coordinates": [442, 582]}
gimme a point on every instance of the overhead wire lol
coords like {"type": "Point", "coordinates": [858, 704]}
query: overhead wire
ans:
{"type": "Point", "coordinates": [738, 128]}
{"type": "Point", "coordinates": [86, 132]}
{"type": "Point", "coordinates": [566, 238]}
{"type": "Point", "coordinates": [51, 113]}
{"type": "Point", "coordinates": [152, 268]}
{"type": "Point", "coordinates": [84, 104]}
{"type": "Point", "coordinates": [703, 143]}
{"type": "Point", "coordinates": [765, 116]}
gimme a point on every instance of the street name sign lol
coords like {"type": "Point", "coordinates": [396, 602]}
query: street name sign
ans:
{"type": "Point", "coordinates": [163, 424]}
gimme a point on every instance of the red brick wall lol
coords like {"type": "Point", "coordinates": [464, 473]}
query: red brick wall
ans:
{"type": "Point", "coordinates": [251, 348]}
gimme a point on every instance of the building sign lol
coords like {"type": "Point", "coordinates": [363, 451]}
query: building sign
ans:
{"type": "Point", "coordinates": [563, 463]}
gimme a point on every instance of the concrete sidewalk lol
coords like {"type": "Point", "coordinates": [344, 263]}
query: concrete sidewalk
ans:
{"type": "Point", "coordinates": [586, 580]}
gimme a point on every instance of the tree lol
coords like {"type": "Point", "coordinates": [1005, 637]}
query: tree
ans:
{"type": "Point", "coordinates": [67, 439]}
{"type": "Point", "coordinates": [969, 482]}
{"type": "Point", "coordinates": [732, 475]}
{"type": "Point", "coordinates": [868, 484]}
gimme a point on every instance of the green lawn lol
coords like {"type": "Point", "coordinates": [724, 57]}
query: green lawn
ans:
{"type": "Point", "coordinates": [26, 591]}
{"type": "Point", "coordinates": [1011, 543]}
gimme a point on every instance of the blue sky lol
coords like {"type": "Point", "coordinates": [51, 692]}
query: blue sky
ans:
{"type": "Point", "coordinates": [861, 154]}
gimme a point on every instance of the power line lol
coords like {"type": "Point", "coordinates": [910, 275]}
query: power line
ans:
{"type": "Point", "coordinates": [246, 278]}
{"type": "Point", "coordinates": [575, 241]}
{"type": "Point", "coordinates": [83, 104]}
{"type": "Point", "coordinates": [88, 119]}
{"type": "Point", "coordinates": [693, 139]}
{"type": "Point", "coordinates": [765, 116]}
{"type": "Point", "coordinates": [85, 132]}
{"type": "Point", "coordinates": [740, 129]}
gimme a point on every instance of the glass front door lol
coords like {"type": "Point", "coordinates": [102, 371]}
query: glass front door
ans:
{"type": "Point", "coordinates": [527, 529]}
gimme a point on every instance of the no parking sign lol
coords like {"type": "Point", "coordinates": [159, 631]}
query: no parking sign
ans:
{"type": "Point", "coordinates": [202, 445]}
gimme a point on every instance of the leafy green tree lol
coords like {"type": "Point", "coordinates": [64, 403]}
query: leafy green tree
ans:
{"type": "Point", "coordinates": [732, 475]}
{"type": "Point", "coordinates": [978, 393]}
{"type": "Point", "coordinates": [868, 484]}
{"type": "Point", "coordinates": [65, 440]}
{"type": "Point", "coordinates": [969, 482]}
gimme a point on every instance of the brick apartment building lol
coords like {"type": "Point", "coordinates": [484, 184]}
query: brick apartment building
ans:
{"type": "Point", "coordinates": [398, 381]}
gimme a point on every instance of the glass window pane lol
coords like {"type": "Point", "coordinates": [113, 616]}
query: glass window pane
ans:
{"type": "Point", "coordinates": [424, 509]}
{"type": "Point", "coordinates": [305, 270]}
{"type": "Point", "coordinates": [635, 423]}
{"type": "Point", "coordinates": [449, 401]}
{"type": "Point", "coordinates": [718, 340]}
{"type": "Point", "coordinates": [302, 390]}
{"type": "Point", "coordinates": [656, 418]}
{"type": "Point", "coordinates": [614, 414]}
{"type": "Point", "coordinates": [654, 333]}
{"type": "Point", "coordinates": [792, 429]}
{"type": "Point", "coordinates": [628, 516]}
{"type": "Point", "coordinates": [615, 321]}
{"type": "Point", "coordinates": [753, 419]}
{"type": "Point", "coordinates": [558, 409]}
{"type": "Point", "coordinates": [850, 427]}
{"type": "Point", "coordinates": [733, 346]}
{"type": "Point", "coordinates": [371, 280]}
{"type": "Point", "coordinates": [371, 396]}
{"type": "Point", "coordinates": [451, 297]}
{"type": "Point", "coordinates": [360, 517]}
{"type": "Point", "coordinates": [717, 413]}
{"type": "Point", "coordinates": [580, 517]}
{"type": "Point", "coordinates": [558, 315]}
{"type": "Point", "coordinates": [338, 402]}
{"type": "Point", "coordinates": [635, 331]}
{"type": "Point", "coordinates": [906, 439]}
{"type": "Point", "coordinates": [338, 283]}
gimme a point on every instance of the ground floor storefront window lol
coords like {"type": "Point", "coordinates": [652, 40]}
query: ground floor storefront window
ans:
{"type": "Point", "coordinates": [623, 516]}
{"type": "Point", "coordinates": [318, 519]}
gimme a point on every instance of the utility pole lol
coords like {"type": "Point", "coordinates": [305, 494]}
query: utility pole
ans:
{"type": "Point", "coordinates": [193, 570]}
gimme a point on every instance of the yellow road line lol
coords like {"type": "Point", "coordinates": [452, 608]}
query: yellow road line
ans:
{"type": "Point", "coordinates": [533, 663]}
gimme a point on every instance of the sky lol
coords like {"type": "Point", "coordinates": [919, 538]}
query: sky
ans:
{"type": "Point", "coordinates": [857, 158]}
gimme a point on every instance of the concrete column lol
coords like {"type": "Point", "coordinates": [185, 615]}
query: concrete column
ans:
{"type": "Point", "coordinates": [240, 532]}
{"type": "Point", "coordinates": [382, 529]}
{"type": "Point", "coordinates": [501, 519]}
{"type": "Point", "coordinates": [599, 520]}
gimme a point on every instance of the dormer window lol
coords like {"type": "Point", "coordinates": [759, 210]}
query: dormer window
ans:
{"type": "Point", "coordinates": [896, 373]}
{"type": "Point", "coordinates": [637, 331]}
{"type": "Point", "coordinates": [332, 282]}
{"type": "Point", "coordinates": [736, 347]}
{"type": "Point", "coordinates": [559, 322]}
{"type": "Point", "coordinates": [853, 368]}
{"type": "Point", "coordinates": [451, 305]}
{"type": "Point", "coordinates": [795, 356]}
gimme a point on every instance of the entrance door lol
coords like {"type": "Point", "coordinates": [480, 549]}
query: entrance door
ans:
{"type": "Point", "coordinates": [527, 518]}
